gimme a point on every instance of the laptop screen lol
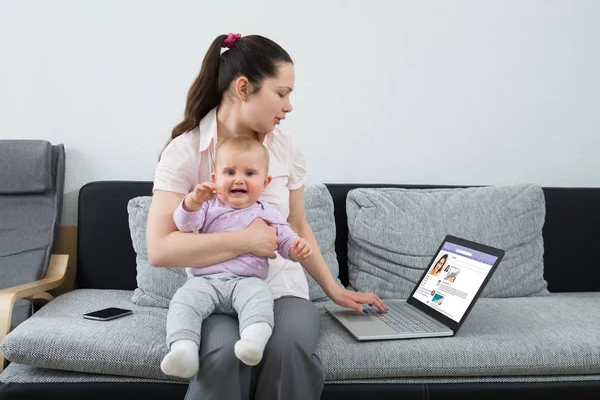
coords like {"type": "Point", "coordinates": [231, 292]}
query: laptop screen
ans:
{"type": "Point", "coordinates": [454, 279]}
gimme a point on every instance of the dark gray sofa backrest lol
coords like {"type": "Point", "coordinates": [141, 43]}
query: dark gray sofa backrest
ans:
{"type": "Point", "coordinates": [106, 258]}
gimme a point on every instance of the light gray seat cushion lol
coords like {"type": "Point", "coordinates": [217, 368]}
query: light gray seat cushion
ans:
{"type": "Point", "coordinates": [58, 337]}
{"type": "Point", "coordinates": [526, 336]}
{"type": "Point", "coordinates": [156, 286]}
{"type": "Point", "coordinates": [21, 373]}
{"type": "Point", "coordinates": [24, 374]}
{"type": "Point", "coordinates": [393, 234]}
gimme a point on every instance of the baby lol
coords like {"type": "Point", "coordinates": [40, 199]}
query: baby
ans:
{"type": "Point", "coordinates": [230, 202]}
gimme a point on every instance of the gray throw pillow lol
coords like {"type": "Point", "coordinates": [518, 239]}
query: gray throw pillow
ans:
{"type": "Point", "coordinates": [319, 214]}
{"type": "Point", "coordinates": [156, 286]}
{"type": "Point", "coordinates": [393, 234]}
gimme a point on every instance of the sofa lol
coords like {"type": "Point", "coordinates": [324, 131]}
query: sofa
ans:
{"type": "Point", "coordinates": [534, 331]}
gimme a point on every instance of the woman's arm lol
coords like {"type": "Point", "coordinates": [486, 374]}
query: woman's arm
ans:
{"type": "Point", "coordinates": [167, 247]}
{"type": "Point", "coordinates": [316, 265]}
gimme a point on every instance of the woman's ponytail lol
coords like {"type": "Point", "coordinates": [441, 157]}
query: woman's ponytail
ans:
{"type": "Point", "coordinates": [204, 94]}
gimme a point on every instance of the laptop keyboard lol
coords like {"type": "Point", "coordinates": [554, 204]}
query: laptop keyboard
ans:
{"type": "Point", "coordinates": [401, 319]}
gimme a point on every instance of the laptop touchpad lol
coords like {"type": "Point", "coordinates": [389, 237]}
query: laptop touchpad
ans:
{"type": "Point", "coordinates": [364, 326]}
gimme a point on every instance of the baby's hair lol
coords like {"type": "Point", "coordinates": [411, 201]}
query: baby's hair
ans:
{"type": "Point", "coordinates": [244, 143]}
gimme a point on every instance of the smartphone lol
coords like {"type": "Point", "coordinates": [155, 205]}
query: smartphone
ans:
{"type": "Point", "coordinates": [107, 314]}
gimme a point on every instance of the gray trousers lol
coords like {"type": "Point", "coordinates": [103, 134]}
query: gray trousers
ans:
{"type": "Point", "coordinates": [250, 299]}
{"type": "Point", "coordinates": [289, 369]}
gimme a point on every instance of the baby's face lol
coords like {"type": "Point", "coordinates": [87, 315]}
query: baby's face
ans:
{"type": "Point", "coordinates": [241, 176]}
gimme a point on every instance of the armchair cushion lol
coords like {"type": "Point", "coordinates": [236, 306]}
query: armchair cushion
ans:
{"type": "Point", "coordinates": [21, 311]}
{"type": "Point", "coordinates": [31, 191]}
{"type": "Point", "coordinates": [29, 220]}
{"type": "Point", "coordinates": [25, 166]}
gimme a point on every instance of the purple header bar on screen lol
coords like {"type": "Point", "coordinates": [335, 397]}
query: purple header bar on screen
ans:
{"type": "Point", "coordinates": [469, 253]}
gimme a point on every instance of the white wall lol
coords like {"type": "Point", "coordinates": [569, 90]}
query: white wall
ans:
{"type": "Point", "coordinates": [441, 92]}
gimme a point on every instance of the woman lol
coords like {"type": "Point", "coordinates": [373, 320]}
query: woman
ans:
{"type": "Point", "coordinates": [245, 91]}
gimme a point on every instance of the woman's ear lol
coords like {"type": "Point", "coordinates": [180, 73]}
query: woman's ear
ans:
{"type": "Point", "coordinates": [243, 89]}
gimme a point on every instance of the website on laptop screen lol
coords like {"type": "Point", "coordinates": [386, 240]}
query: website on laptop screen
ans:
{"type": "Point", "coordinates": [454, 279]}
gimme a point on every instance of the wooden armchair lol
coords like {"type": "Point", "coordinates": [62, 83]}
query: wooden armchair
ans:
{"type": "Point", "coordinates": [31, 192]}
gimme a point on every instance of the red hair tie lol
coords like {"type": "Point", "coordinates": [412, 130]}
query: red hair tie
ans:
{"type": "Point", "coordinates": [229, 41]}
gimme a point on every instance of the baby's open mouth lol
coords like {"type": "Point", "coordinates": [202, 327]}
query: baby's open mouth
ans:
{"type": "Point", "coordinates": [239, 191]}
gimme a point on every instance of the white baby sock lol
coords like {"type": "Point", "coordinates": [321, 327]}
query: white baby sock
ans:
{"type": "Point", "coordinates": [253, 339]}
{"type": "Point", "coordinates": [182, 360]}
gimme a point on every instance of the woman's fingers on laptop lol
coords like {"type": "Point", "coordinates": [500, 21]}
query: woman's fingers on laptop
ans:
{"type": "Point", "coordinates": [345, 298]}
{"type": "Point", "coordinates": [355, 300]}
{"type": "Point", "coordinates": [379, 304]}
{"type": "Point", "coordinates": [350, 303]}
{"type": "Point", "coordinates": [371, 298]}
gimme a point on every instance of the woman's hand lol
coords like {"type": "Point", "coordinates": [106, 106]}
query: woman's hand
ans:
{"type": "Point", "coordinates": [263, 240]}
{"type": "Point", "coordinates": [355, 300]}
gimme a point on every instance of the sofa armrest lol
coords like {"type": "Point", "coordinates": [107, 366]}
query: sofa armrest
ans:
{"type": "Point", "coordinates": [55, 275]}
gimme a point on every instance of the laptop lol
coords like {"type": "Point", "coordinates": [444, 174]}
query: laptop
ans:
{"type": "Point", "coordinates": [439, 302]}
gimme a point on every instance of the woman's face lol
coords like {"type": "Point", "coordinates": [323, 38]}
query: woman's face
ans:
{"type": "Point", "coordinates": [267, 108]}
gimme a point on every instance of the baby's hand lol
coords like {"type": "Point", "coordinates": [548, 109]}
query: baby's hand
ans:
{"type": "Point", "coordinates": [300, 249]}
{"type": "Point", "coordinates": [205, 191]}
{"type": "Point", "coordinates": [202, 192]}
